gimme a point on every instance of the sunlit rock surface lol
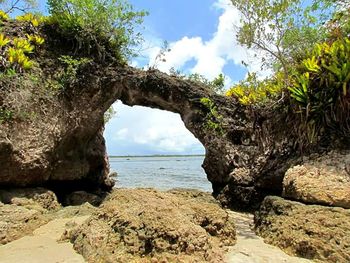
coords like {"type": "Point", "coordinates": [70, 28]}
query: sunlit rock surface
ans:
{"type": "Point", "coordinates": [151, 226]}
{"type": "Point", "coordinates": [311, 231]}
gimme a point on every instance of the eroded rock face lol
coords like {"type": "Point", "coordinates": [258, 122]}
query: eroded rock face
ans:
{"type": "Point", "coordinates": [324, 180]}
{"type": "Point", "coordinates": [152, 226]}
{"type": "Point", "coordinates": [310, 231]}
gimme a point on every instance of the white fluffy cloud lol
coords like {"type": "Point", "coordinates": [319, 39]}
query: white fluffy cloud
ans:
{"type": "Point", "coordinates": [210, 56]}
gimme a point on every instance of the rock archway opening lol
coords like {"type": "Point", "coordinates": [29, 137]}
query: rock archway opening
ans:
{"type": "Point", "coordinates": [153, 148]}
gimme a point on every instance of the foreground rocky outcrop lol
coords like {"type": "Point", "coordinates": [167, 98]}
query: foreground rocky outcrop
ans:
{"type": "Point", "coordinates": [145, 225]}
{"type": "Point", "coordinates": [129, 223]}
{"type": "Point", "coordinates": [323, 180]}
{"type": "Point", "coordinates": [309, 231]}
{"type": "Point", "coordinates": [38, 198]}
{"type": "Point", "coordinates": [317, 226]}
{"type": "Point", "coordinates": [24, 210]}
{"type": "Point", "coordinates": [135, 225]}
{"type": "Point", "coordinates": [17, 221]}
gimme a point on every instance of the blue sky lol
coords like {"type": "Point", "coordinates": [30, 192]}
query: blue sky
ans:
{"type": "Point", "coordinates": [201, 35]}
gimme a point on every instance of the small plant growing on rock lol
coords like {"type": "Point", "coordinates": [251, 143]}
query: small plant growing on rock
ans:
{"type": "Point", "coordinates": [252, 91]}
{"type": "Point", "coordinates": [30, 18]}
{"type": "Point", "coordinates": [4, 16]}
{"type": "Point", "coordinates": [5, 115]}
{"type": "Point", "coordinates": [23, 44]}
{"type": "Point", "coordinates": [217, 84]}
{"type": "Point", "coordinates": [36, 39]}
{"type": "Point", "coordinates": [213, 118]}
{"type": "Point", "coordinates": [18, 59]}
{"type": "Point", "coordinates": [4, 40]}
{"type": "Point", "coordinates": [72, 65]}
{"type": "Point", "coordinates": [15, 52]}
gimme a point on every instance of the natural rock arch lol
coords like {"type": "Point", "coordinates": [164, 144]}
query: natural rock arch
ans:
{"type": "Point", "coordinates": [71, 152]}
{"type": "Point", "coordinates": [63, 147]}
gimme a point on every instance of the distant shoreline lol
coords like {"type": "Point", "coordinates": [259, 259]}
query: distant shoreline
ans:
{"type": "Point", "coordinates": [156, 155]}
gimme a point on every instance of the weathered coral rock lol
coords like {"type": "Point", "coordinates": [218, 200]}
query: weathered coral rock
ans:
{"type": "Point", "coordinates": [30, 197]}
{"type": "Point", "coordinates": [24, 210]}
{"type": "Point", "coordinates": [72, 211]}
{"type": "Point", "coordinates": [17, 221]}
{"type": "Point", "coordinates": [145, 225]}
{"type": "Point", "coordinates": [310, 231]}
{"type": "Point", "coordinates": [323, 180]}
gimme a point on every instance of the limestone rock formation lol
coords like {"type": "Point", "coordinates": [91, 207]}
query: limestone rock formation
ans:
{"type": "Point", "coordinates": [324, 180]}
{"type": "Point", "coordinates": [17, 221]}
{"type": "Point", "coordinates": [24, 210]}
{"type": "Point", "coordinates": [59, 143]}
{"type": "Point", "coordinates": [310, 231]}
{"type": "Point", "coordinates": [145, 225]}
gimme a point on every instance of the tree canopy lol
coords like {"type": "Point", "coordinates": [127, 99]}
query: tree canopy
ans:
{"type": "Point", "coordinates": [284, 30]}
{"type": "Point", "coordinates": [309, 50]}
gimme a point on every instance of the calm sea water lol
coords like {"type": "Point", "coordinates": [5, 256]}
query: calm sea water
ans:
{"type": "Point", "coordinates": [160, 172]}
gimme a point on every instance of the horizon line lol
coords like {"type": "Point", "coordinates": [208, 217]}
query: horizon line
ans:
{"type": "Point", "coordinates": [156, 155]}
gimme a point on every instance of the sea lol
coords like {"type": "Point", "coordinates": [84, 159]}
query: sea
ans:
{"type": "Point", "coordinates": [160, 172]}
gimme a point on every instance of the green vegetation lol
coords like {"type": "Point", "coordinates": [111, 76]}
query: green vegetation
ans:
{"type": "Point", "coordinates": [68, 76]}
{"type": "Point", "coordinates": [30, 18]}
{"type": "Point", "coordinates": [4, 16]}
{"type": "Point", "coordinates": [93, 30]}
{"type": "Point", "coordinates": [252, 91]}
{"type": "Point", "coordinates": [99, 25]}
{"type": "Point", "coordinates": [309, 50]}
{"type": "Point", "coordinates": [16, 51]}
{"type": "Point", "coordinates": [321, 87]}
{"type": "Point", "coordinates": [213, 118]}
{"type": "Point", "coordinates": [217, 84]}
{"type": "Point", "coordinates": [5, 115]}
{"type": "Point", "coordinates": [282, 29]}
{"type": "Point", "coordinates": [109, 114]}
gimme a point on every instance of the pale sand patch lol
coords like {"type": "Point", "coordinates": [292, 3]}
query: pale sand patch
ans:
{"type": "Point", "coordinates": [251, 249]}
{"type": "Point", "coordinates": [44, 245]}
